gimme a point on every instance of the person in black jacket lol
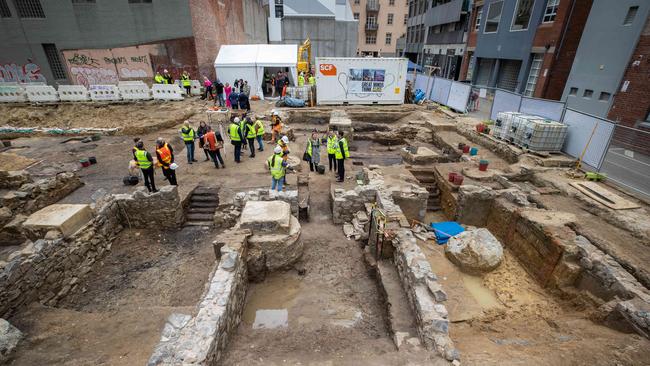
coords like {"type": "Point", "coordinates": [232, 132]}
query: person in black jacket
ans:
{"type": "Point", "coordinates": [200, 132]}
{"type": "Point", "coordinates": [243, 102]}
{"type": "Point", "coordinates": [217, 86]}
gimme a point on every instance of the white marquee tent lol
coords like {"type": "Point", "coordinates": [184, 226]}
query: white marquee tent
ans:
{"type": "Point", "coordinates": [247, 61]}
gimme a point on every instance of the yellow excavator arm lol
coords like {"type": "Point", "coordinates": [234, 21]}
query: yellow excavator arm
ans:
{"type": "Point", "coordinates": [304, 60]}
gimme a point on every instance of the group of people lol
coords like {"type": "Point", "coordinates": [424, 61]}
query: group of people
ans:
{"type": "Point", "coordinates": [243, 132]}
{"type": "Point", "coordinates": [337, 152]}
{"type": "Point", "coordinates": [235, 96]}
{"type": "Point", "coordinates": [167, 78]}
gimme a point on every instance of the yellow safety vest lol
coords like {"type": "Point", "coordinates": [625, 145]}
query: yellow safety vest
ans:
{"type": "Point", "coordinates": [309, 147]}
{"type": "Point", "coordinates": [339, 154]}
{"type": "Point", "coordinates": [275, 165]}
{"type": "Point", "coordinates": [301, 80]}
{"type": "Point", "coordinates": [251, 132]}
{"type": "Point", "coordinates": [233, 130]}
{"type": "Point", "coordinates": [159, 79]}
{"type": "Point", "coordinates": [312, 80]}
{"type": "Point", "coordinates": [260, 127]}
{"type": "Point", "coordinates": [332, 142]}
{"type": "Point", "coordinates": [186, 80]}
{"type": "Point", "coordinates": [187, 136]}
{"type": "Point", "coordinates": [141, 156]}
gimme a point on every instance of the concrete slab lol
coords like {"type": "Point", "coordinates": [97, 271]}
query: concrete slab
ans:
{"type": "Point", "coordinates": [419, 155]}
{"type": "Point", "coordinates": [266, 217]}
{"type": "Point", "coordinates": [66, 218]}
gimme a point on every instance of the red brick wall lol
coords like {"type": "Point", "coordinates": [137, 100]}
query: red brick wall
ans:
{"type": "Point", "coordinates": [552, 86]}
{"type": "Point", "coordinates": [176, 55]}
{"type": "Point", "coordinates": [633, 105]}
{"type": "Point", "coordinates": [471, 42]}
{"type": "Point", "coordinates": [215, 23]}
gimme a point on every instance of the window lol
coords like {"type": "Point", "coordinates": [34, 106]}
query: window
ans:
{"type": "Point", "coordinates": [479, 13]}
{"type": "Point", "coordinates": [631, 13]}
{"type": "Point", "coordinates": [356, 16]}
{"type": "Point", "coordinates": [588, 93]}
{"type": "Point", "coordinates": [391, 2]}
{"type": "Point", "coordinates": [535, 66]}
{"type": "Point", "coordinates": [604, 96]}
{"type": "Point", "coordinates": [493, 17]}
{"type": "Point", "coordinates": [371, 20]}
{"type": "Point", "coordinates": [551, 10]}
{"type": "Point", "coordinates": [29, 8]}
{"type": "Point", "coordinates": [406, 18]}
{"type": "Point", "coordinates": [356, 2]}
{"type": "Point", "coordinates": [4, 9]}
{"type": "Point", "coordinates": [53, 59]}
{"type": "Point", "coordinates": [371, 39]}
{"type": "Point", "coordinates": [522, 15]}
{"type": "Point", "coordinates": [390, 18]}
{"type": "Point", "coordinates": [573, 92]}
{"type": "Point", "coordinates": [389, 38]}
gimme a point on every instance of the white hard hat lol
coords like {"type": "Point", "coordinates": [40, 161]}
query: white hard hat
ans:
{"type": "Point", "coordinates": [285, 139]}
{"type": "Point", "coordinates": [275, 113]}
{"type": "Point", "coordinates": [165, 70]}
{"type": "Point", "coordinates": [277, 150]}
{"type": "Point", "coordinates": [237, 120]}
{"type": "Point", "coordinates": [173, 166]}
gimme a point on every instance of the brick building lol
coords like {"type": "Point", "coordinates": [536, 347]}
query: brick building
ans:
{"type": "Point", "coordinates": [524, 46]}
{"type": "Point", "coordinates": [104, 41]}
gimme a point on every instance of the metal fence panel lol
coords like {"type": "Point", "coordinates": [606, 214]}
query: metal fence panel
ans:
{"type": "Point", "coordinates": [440, 91]}
{"type": "Point", "coordinates": [504, 101]}
{"type": "Point", "coordinates": [542, 107]}
{"type": "Point", "coordinates": [458, 96]}
{"type": "Point", "coordinates": [423, 83]}
{"type": "Point", "coordinates": [580, 130]}
{"type": "Point", "coordinates": [627, 161]}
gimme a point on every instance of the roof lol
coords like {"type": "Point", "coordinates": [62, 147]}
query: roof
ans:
{"type": "Point", "coordinates": [257, 54]}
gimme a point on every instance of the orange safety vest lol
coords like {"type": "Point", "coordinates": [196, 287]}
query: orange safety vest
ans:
{"type": "Point", "coordinates": [165, 155]}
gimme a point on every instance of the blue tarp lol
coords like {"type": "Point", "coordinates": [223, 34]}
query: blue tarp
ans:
{"type": "Point", "coordinates": [415, 66]}
{"type": "Point", "coordinates": [445, 230]}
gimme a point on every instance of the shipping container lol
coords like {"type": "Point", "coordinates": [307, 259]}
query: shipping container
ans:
{"type": "Point", "coordinates": [360, 80]}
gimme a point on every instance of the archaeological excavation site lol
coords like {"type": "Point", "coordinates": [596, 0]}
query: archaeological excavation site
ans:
{"type": "Point", "coordinates": [443, 245]}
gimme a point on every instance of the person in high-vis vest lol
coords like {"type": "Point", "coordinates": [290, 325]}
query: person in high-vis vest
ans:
{"type": "Point", "coordinates": [145, 162]}
{"type": "Point", "coordinates": [341, 154]}
{"type": "Point", "coordinates": [311, 80]}
{"type": "Point", "coordinates": [188, 135]}
{"type": "Point", "coordinates": [165, 155]}
{"type": "Point", "coordinates": [251, 134]}
{"type": "Point", "coordinates": [301, 79]}
{"type": "Point", "coordinates": [313, 150]}
{"type": "Point", "coordinates": [187, 83]}
{"type": "Point", "coordinates": [212, 143]}
{"type": "Point", "coordinates": [159, 79]}
{"type": "Point", "coordinates": [332, 142]}
{"type": "Point", "coordinates": [277, 167]}
{"type": "Point", "coordinates": [236, 138]}
{"type": "Point", "coordinates": [259, 130]}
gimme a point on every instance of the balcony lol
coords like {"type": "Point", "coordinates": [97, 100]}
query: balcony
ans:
{"type": "Point", "coordinates": [372, 6]}
{"type": "Point", "coordinates": [372, 26]}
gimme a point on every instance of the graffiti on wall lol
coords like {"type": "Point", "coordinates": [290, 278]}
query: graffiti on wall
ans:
{"type": "Point", "coordinates": [25, 73]}
{"type": "Point", "coordinates": [108, 66]}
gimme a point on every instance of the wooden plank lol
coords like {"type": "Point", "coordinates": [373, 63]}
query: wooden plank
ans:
{"type": "Point", "coordinates": [602, 195]}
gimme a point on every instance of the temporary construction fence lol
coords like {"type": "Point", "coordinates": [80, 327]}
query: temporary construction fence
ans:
{"type": "Point", "coordinates": [622, 152]}
{"type": "Point", "coordinates": [125, 90]}
{"type": "Point", "coordinates": [447, 92]}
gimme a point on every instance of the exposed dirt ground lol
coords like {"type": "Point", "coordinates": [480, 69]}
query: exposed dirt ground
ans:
{"type": "Point", "coordinates": [506, 320]}
{"type": "Point", "coordinates": [116, 313]}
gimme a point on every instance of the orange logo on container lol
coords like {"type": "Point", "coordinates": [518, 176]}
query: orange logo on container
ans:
{"type": "Point", "coordinates": [328, 69]}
